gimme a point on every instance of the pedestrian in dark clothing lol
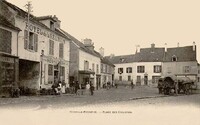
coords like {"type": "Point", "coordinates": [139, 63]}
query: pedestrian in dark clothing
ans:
{"type": "Point", "coordinates": [91, 89]}
{"type": "Point", "coordinates": [116, 85]}
{"type": "Point", "coordinates": [76, 87]}
{"type": "Point", "coordinates": [132, 85]}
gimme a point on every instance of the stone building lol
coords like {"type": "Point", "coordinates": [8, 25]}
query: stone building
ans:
{"type": "Point", "coordinates": [9, 61]}
{"type": "Point", "coordinates": [42, 48]}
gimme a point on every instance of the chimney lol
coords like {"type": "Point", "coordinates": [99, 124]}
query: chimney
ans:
{"type": "Point", "coordinates": [88, 44]}
{"type": "Point", "coordinates": [152, 47]}
{"type": "Point", "coordinates": [101, 51]}
{"type": "Point", "coordinates": [112, 55]}
{"type": "Point", "coordinates": [165, 47]}
{"type": "Point", "coordinates": [137, 48]}
{"type": "Point", "coordinates": [194, 46]}
{"type": "Point", "coordinates": [177, 44]}
{"type": "Point", "coordinates": [57, 23]}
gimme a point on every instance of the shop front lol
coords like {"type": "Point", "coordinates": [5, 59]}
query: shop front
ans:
{"type": "Point", "coordinates": [53, 71]}
{"type": "Point", "coordinates": [9, 75]}
{"type": "Point", "coordinates": [85, 77]}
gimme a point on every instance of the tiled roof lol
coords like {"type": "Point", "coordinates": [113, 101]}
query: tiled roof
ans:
{"type": "Point", "coordinates": [34, 19]}
{"type": "Point", "coordinates": [182, 53]}
{"type": "Point", "coordinates": [150, 55]}
{"type": "Point", "coordinates": [104, 59]}
{"type": "Point", "coordinates": [121, 59]}
{"type": "Point", "coordinates": [81, 45]}
{"type": "Point", "coordinates": [6, 23]}
{"type": "Point", "coordinates": [157, 55]}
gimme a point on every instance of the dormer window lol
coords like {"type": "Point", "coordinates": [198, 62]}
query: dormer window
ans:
{"type": "Point", "coordinates": [122, 60]}
{"type": "Point", "coordinates": [52, 25]}
{"type": "Point", "coordinates": [174, 58]}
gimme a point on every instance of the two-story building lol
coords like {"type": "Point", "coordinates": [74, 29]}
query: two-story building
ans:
{"type": "Point", "coordinates": [42, 48]}
{"type": "Point", "coordinates": [148, 65]}
{"type": "Point", "coordinates": [124, 68]}
{"type": "Point", "coordinates": [143, 68]}
{"type": "Point", "coordinates": [107, 69]}
{"type": "Point", "coordinates": [181, 61]}
{"type": "Point", "coordinates": [84, 62]}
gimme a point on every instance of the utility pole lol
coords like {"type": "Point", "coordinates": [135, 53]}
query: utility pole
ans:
{"type": "Point", "coordinates": [29, 10]}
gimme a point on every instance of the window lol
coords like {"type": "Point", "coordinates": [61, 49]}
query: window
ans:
{"type": "Point", "coordinates": [140, 69]}
{"type": "Point", "coordinates": [51, 47]}
{"type": "Point", "coordinates": [174, 58]}
{"type": "Point", "coordinates": [106, 69]}
{"type": "Point", "coordinates": [101, 67]}
{"type": "Point", "coordinates": [186, 69]}
{"type": "Point", "coordinates": [30, 43]}
{"type": "Point", "coordinates": [122, 60]}
{"type": "Point", "coordinates": [129, 78]}
{"type": "Point", "coordinates": [155, 79]}
{"type": "Point", "coordinates": [86, 65]}
{"type": "Point", "coordinates": [97, 68]}
{"type": "Point", "coordinates": [120, 78]}
{"type": "Point", "coordinates": [198, 79]}
{"type": "Point", "coordinates": [62, 71]}
{"type": "Point", "coordinates": [129, 70]}
{"type": "Point", "coordinates": [93, 67]}
{"type": "Point", "coordinates": [50, 70]}
{"type": "Point", "coordinates": [157, 69]}
{"type": "Point", "coordinates": [120, 70]}
{"type": "Point", "coordinates": [61, 50]}
{"type": "Point", "coordinates": [5, 41]}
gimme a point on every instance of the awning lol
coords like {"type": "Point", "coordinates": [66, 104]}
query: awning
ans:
{"type": "Point", "coordinates": [86, 72]}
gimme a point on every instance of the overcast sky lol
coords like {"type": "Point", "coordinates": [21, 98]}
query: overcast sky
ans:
{"type": "Point", "coordinates": [119, 25]}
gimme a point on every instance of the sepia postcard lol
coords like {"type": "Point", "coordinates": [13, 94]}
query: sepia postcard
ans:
{"type": "Point", "coordinates": [71, 62]}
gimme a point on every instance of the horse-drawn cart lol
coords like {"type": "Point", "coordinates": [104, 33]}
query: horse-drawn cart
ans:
{"type": "Point", "coordinates": [175, 84]}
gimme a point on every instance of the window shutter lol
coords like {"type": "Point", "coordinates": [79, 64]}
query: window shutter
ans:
{"type": "Point", "coordinates": [36, 42]}
{"type": "Point", "coordinates": [52, 47]}
{"type": "Point", "coordinates": [49, 46]}
{"type": "Point", "coordinates": [61, 50]}
{"type": "Point", "coordinates": [25, 39]}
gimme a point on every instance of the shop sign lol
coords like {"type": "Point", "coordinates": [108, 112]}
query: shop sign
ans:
{"type": "Point", "coordinates": [43, 32]}
{"type": "Point", "coordinates": [53, 60]}
{"type": "Point", "coordinates": [50, 60]}
{"type": "Point", "coordinates": [6, 59]}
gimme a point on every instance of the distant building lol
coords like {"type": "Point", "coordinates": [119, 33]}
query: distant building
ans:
{"type": "Point", "coordinates": [181, 61]}
{"type": "Point", "coordinates": [107, 69]}
{"type": "Point", "coordinates": [42, 48]}
{"type": "Point", "coordinates": [124, 68]}
{"type": "Point", "coordinates": [149, 64]}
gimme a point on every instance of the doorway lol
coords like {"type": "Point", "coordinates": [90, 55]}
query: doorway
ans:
{"type": "Point", "coordinates": [138, 82]}
{"type": "Point", "coordinates": [145, 80]}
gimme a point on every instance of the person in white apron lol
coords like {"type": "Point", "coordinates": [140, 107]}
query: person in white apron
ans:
{"type": "Point", "coordinates": [87, 88]}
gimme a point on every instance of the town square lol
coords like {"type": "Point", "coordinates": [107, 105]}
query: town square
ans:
{"type": "Point", "coordinates": [49, 62]}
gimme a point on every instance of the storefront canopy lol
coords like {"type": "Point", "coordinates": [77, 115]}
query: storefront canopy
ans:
{"type": "Point", "coordinates": [86, 72]}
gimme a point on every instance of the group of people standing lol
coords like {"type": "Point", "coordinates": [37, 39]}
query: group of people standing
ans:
{"type": "Point", "coordinates": [88, 87]}
{"type": "Point", "coordinates": [58, 87]}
